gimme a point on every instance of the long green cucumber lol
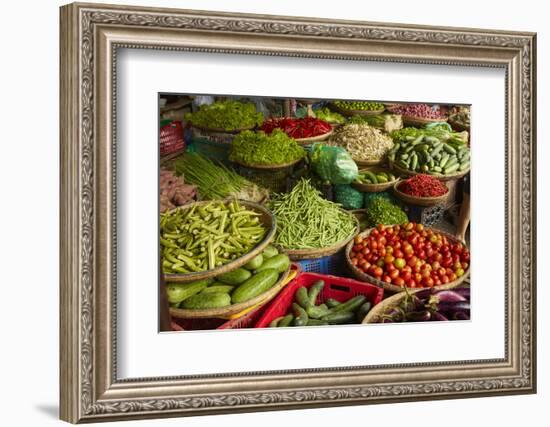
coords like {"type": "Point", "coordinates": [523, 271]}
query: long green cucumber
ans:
{"type": "Point", "coordinates": [275, 322]}
{"type": "Point", "coordinates": [316, 312]}
{"type": "Point", "coordinates": [339, 317]}
{"type": "Point", "coordinates": [256, 285]}
{"type": "Point", "coordinates": [279, 263]}
{"type": "Point", "coordinates": [316, 322]}
{"type": "Point", "coordinates": [206, 301]}
{"type": "Point", "coordinates": [350, 305]}
{"type": "Point", "coordinates": [235, 277]}
{"type": "Point", "coordinates": [314, 291]}
{"type": "Point", "coordinates": [449, 149]}
{"type": "Point", "coordinates": [302, 298]}
{"type": "Point", "coordinates": [450, 169]}
{"type": "Point", "coordinates": [464, 166]}
{"type": "Point", "coordinates": [444, 160]}
{"type": "Point", "coordinates": [177, 292]}
{"type": "Point", "coordinates": [300, 314]}
{"type": "Point", "coordinates": [286, 321]}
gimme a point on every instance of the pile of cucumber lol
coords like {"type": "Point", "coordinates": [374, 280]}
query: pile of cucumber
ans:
{"type": "Point", "coordinates": [305, 312]}
{"type": "Point", "coordinates": [428, 154]}
{"type": "Point", "coordinates": [237, 286]}
{"type": "Point", "coordinates": [374, 177]}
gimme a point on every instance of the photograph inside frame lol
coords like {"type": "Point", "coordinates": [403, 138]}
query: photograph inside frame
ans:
{"type": "Point", "coordinates": [287, 212]}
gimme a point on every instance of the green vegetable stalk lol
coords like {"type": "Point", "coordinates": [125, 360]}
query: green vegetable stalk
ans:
{"type": "Point", "coordinates": [382, 211]}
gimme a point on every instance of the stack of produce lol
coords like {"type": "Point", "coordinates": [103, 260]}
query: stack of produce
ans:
{"type": "Point", "coordinates": [359, 105]}
{"type": "Point", "coordinates": [215, 181]}
{"type": "Point", "coordinates": [430, 304]}
{"type": "Point", "coordinates": [237, 286]}
{"type": "Point", "coordinates": [203, 237]}
{"type": "Point", "coordinates": [307, 221]}
{"type": "Point", "coordinates": [306, 127]}
{"type": "Point", "coordinates": [363, 142]}
{"type": "Point", "coordinates": [374, 177]}
{"type": "Point", "coordinates": [460, 116]}
{"type": "Point", "coordinates": [258, 148]}
{"type": "Point", "coordinates": [423, 186]}
{"type": "Point", "coordinates": [386, 122]}
{"type": "Point", "coordinates": [429, 154]}
{"type": "Point", "coordinates": [380, 210]}
{"type": "Point", "coordinates": [409, 255]}
{"type": "Point", "coordinates": [329, 116]}
{"type": "Point", "coordinates": [423, 111]}
{"type": "Point", "coordinates": [226, 115]}
{"type": "Point", "coordinates": [441, 131]}
{"type": "Point", "coordinates": [305, 312]}
{"type": "Point", "coordinates": [173, 191]}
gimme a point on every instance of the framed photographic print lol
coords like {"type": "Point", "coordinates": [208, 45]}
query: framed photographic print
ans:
{"type": "Point", "coordinates": [267, 212]}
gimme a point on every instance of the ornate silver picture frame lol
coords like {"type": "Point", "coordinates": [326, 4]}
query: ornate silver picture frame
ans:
{"type": "Point", "coordinates": [90, 37]}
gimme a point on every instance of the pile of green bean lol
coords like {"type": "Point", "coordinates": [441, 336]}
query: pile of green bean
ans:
{"type": "Point", "coordinates": [307, 221]}
{"type": "Point", "coordinates": [203, 237]}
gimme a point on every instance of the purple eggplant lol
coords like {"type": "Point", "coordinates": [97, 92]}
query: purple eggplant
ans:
{"type": "Point", "coordinates": [451, 307]}
{"type": "Point", "coordinates": [386, 320]}
{"type": "Point", "coordinates": [438, 316]}
{"type": "Point", "coordinates": [465, 292]}
{"type": "Point", "coordinates": [461, 315]}
{"type": "Point", "coordinates": [449, 296]}
{"type": "Point", "coordinates": [419, 316]}
{"type": "Point", "coordinates": [423, 294]}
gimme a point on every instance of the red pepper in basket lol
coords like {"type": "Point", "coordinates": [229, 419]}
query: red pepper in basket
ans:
{"type": "Point", "coordinates": [298, 128]}
{"type": "Point", "coordinates": [423, 186]}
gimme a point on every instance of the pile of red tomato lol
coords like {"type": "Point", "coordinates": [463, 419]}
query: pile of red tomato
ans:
{"type": "Point", "coordinates": [410, 255]}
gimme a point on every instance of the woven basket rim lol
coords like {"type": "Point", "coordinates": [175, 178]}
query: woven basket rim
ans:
{"type": "Point", "coordinates": [388, 286]}
{"type": "Point", "coordinates": [200, 275]}
{"type": "Point", "coordinates": [281, 166]}
{"type": "Point", "coordinates": [374, 188]}
{"type": "Point", "coordinates": [218, 130]}
{"type": "Point", "coordinates": [317, 138]}
{"type": "Point", "coordinates": [349, 113]}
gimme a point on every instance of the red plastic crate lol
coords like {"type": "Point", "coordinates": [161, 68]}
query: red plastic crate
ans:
{"type": "Point", "coordinates": [171, 138]}
{"type": "Point", "coordinates": [338, 288]}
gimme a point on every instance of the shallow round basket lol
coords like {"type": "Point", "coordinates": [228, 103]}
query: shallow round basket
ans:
{"type": "Point", "coordinates": [420, 121]}
{"type": "Point", "coordinates": [375, 314]}
{"type": "Point", "coordinates": [389, 286]}
{"type": "Point", "coordinates": [299, 254]}
{"type": "Point", "coordinates": [349, 113]}
{"type": "Point", "coordinates": [419, 201]}
{"type": "Point", "coordinates": [439, 176]}
{"type": "Point", "coordinates": [267, 296]}
{"type": "Point", "coordinates": [266, 218]}
{"type": "Point", "coordinates": [317, 138]}
{"type": "Point", "coordinates": [374, 188]}
{"type": "Point", "coordinates": [217, 130]}
{"type": "Point", "coordinates": [281, 166]}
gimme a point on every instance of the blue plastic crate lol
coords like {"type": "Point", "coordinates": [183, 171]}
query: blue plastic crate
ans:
{"type": "Point", "coordinates": [331, 264]}
{"type": "Point", "coordinates": [426, 215]}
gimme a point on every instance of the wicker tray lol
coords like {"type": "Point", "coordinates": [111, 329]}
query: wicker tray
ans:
{"type": "Point", "coordinates": [299, 254]}
{"type": "Point", "coordinates": [314, 138]}
{"type": "Point", "coordinates": [439, 176]}
{"type": "Point", "coordinates": [420, 201]}
{"type": "Point", "coordinates": [282, 166]}
{"type": "Point", "coordinates": [266, 218]}
{"type": "Point", "coordinates": [373, 316]}
{"type": "Point", "coordinates": [420, 121]}
{"type": "Point", "coordinates": [394, 288]}
{"type": "Point", "coordinates": [217, 130]}
{"type": "Point", "coordinates": [374, 188]}
{"type": "Point", "coordinates": [233, 308]}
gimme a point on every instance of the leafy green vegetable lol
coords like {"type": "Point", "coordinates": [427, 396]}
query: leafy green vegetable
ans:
{"type": "Point", "coordinates": [440, 131]}
{"type": "Point", "coordinates": [258, 148]}
{"type": "Point", "coordinates": [329, 116]}
{"type": "Point", "coordinates": [348, 196]}
{"type": "Point", "coordinates": [227, 115]}
{"type": "Point", "coordinates": [382, 211]}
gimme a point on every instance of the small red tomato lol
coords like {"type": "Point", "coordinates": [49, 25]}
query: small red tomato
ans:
{"type": "Point", "coordinates": [441, 272]}
{"type": "Point", "coordinates": [378, 272]}
{"type": "Point", "coordinates": [365, 251]}
{"type": "Point", "coordinates": [398, 253]}
{"type": "Point", "coordinates": [405, 275]}
{"type": "Point", "coordinates": [359, 255]}
{"type": "Point", "coordinates": [390, 268]}
{"type": "Point", "coordinates": [354, 261]}
{"type": "Point", "coordinates": [373, 245]}
{"type": "Point", "coordinates": [437, 281]}
{"type": "Point", "coordinates": [465, 265]}
{"type": "Point", "coordinates": [407, 268]}
{"type": "Point", "coordinates": [389, 258]}
{"type": "Point", "coordinates": [459, 272]}
{"type": "Point", "coordinates": [380, 262]}
{"type": "Point", "coordinates": [428, 282]}
{"type": "Point", "coordinates": [418, 277]}
{"type": "Point", "coordinates": [375, 233]}
{"type": "Point", "coordinates": [399, 281]}
{"type": "Point", "coordinates": [386, 279]}
{"type": "Point", "coordinates": [447, 262]}
{"type": "Point", "coordinates": [452, 277]}
{"type": "Point", "coordinates": [444, 279]}
{"type": "Point", "coordinates": [409, 226]}
{"type": "Point", "coordinates": [394, 274]}
{"type": "Point", "coordinates": [416, 268]}
{"type": "Point", "coordinates": [399, 263]}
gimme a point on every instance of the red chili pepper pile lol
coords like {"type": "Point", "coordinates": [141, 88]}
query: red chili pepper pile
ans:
{"type": "Point", "coordinates": [297, 128]}
{"type": "Point", "coordinates": [423, 186]}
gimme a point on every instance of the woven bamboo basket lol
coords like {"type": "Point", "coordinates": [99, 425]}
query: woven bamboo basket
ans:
{"type": "Point", "coordinates": [419, 201]}
{"type": "Point", "coordinates": [420, 121]}
{"type": "Point", "coordinates": [266, 218]}
{"type": "Point", "coordinates": [441, 177]}
{"type": "Point", "coordinates": [233, 308]}
{"type": "Point", "coordinates": [376, 312]}
{"type": "Point", "coordinates": [318, 138]}
{"type": "Point", "coordinates": [366, 163]}
{"type": "Point", "coordinates": [299, 254]}
{"type": "Point", "coordinates": [388, 286]}
{"type": "Point", "coordinates": [281, 166]}
{"type": "Point", "coordinates": [374, 188]}
{"type": "Point", "coordinates": [218, 130]}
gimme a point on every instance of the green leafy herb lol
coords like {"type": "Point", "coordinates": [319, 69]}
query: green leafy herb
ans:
{"type": "Point", "coordinates": [258, 148]}
{"type": "Point", "coordinates": [227, 115]}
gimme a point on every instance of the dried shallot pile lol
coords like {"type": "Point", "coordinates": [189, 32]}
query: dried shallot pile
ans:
{"type": "Point", "coordinates": [173, 191]}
